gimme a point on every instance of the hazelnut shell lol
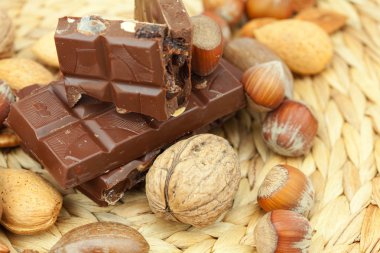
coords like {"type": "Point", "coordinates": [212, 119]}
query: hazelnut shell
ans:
{"type": "Point", "coordinates": [265, 84]}
{"type": "Point", "coordinates": [283, 231]}
{"type": "Point", "coordinates": [286, 187]}
{"type": "Point", "coordinates": [290, 129]}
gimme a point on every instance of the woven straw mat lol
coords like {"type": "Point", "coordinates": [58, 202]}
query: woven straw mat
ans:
{"type": "Point", "coordinates": [344, 163]}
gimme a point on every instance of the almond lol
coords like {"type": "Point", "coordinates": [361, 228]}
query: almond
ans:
{"type": "Point", "coordinates": [330, 21]}
{"type": "Point", "coordinates": [248, 29]}
{"type": "Point", "coordinates": [19, 73]}
{"type": "Point", "coordinates": [299, 5]}
{"type": "Point", "coordinates": [305, 47]}
{"type": "Point", "coordinates": [45, 51]}
{"type": "Point", "coordinates": [30, 204]}
{"type": "Point", "coordinates": [7, 35]}
{"type": "Point", "coordinates": [9, 139]}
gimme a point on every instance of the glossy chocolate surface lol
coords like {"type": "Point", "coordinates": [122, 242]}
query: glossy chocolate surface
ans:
{"type": "Point", "coordinates": [134, 65]}
{"type": "Point", "coordinates": [81, 143]}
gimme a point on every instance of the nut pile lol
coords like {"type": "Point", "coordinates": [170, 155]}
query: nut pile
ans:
{"type": "Point", "coordinates": [194, 181]}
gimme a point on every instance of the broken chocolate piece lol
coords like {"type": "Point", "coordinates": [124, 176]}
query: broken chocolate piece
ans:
{"type": "Point", "coordinates": [128, 63]}
{"type": "Point", "coordinates": [81, 143]}
{"type": "Point", "coordinates": [179, 42]}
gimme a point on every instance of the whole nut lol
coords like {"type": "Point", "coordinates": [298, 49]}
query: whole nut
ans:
{"type": "Point", "coordinates": [286, 187]}
{"type": "Point", "coordinates": [245, 53]}
{"type": "Point", "coordinates": [8, 138]}
{"type": "Point", "coordinates": [305, 47]}
{"type": "Point", "coordinates": [102, 237]}
{"type": "Point", "coordinates": [283, 231]}
{"type": "Point", "coordinates": [299, 5]}
{"type": "Point", "coordinates": [19, 73]}
{"type": "Point", "coordinates": [3, 248]}
{"type": "Point", "coordinates": [330, 21]}
{"type": "Point", "coordinates": [290, 129]}
{"type": "Point", "coordinates": [248, 29]}
{"type": "Point", "coordinates": [45, 51]}
{"type": "Point", "coordinates": [265, 85]}
{"type": "Point", "coordinates": [6, 98]}
{"type": "Point", "coordinates": [30, 204]}
{"type": "Point", "coordinates": [194, 181]}
{"type": "Point", "coordinates": [269, 8]}
{"type": "Point", "coordinates": [229, 10]}
{"type": "Point", "coordinates": [7, 35]}
{"type": "Point", "coordinates": [207, 45]}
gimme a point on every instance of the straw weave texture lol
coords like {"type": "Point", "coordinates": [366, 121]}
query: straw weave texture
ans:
{"type": "Point", "coordinates": [344, 163]}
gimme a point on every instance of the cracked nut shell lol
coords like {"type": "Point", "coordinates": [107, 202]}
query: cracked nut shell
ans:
{"type": "Point", "coordinates": [194, 181]}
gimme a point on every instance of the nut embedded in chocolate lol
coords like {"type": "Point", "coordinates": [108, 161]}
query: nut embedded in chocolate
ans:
{"type": "Point", "coordinates": [135, 65]}
{"type": "Point", "coordinates": [81, 141]}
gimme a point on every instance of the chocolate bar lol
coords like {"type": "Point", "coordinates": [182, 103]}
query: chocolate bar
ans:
{"type": "Point", "coordinates": [110, 187]}
{"type": "Point", "coordinates": [81, 143]}
{"type": "Point", "coordinates": [137, 66]}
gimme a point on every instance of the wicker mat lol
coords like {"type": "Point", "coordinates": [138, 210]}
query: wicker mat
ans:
{"type": "Point", "coordinates": [343, 165]}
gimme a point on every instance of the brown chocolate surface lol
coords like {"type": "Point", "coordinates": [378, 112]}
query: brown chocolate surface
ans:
{"type": "Point", "coordinates": [107, 189]}
{"type": "Point", "coordinates": [132, 64]}
{"type": "Point", "coordinates": [81, 143]}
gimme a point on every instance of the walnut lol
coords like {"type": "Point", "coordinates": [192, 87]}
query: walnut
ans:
{"type": "Point", "coordinates": [7, 35]}
{"type": "Point", "coordinates": [194, 181]}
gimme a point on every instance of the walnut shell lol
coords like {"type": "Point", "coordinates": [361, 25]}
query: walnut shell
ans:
{"type": "Point", "coordinates": [194, 181]}
{"type": "Point", "coordinates": [30, 204]}
{"type": "Point", "coordinates": [7, 35]}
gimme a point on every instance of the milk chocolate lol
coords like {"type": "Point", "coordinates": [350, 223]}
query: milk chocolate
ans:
{"type": "Point", "coordinates": [81, 143]}
{"type": "Point", "coordinates": [135, 65]}
{"type": "Point", "coordinates": [110, 187]}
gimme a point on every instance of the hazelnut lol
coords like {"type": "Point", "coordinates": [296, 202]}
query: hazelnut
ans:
{"type": "Point", "coordinates": [207, 45]}
{"type": "Point", "coordinates": [265, 84]}
{"type": "Point", "coordinates": [283, 231]}
{"type": "Point", "coordinates": [286, 187]}
{"type": "Point", "coordinates": [6, 98]}
{"type": "Point", "coordinates": [247, 52]}
{"type": "Point", "coordinates": [194, 181]}
{"type": "Point", "coordinates": [226, 31]}
{"type": "Point", "coordinates": [229, 10]}
{"type": "Point", "coordinates": [290, 129]}
{"type": "Point", "coordinates": [269, 8]}
{"type": "Point", "coordinates": [4, 248]}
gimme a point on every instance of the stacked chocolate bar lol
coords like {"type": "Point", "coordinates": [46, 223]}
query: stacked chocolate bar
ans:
{"type": "Point", "coordinates": [126, 94]}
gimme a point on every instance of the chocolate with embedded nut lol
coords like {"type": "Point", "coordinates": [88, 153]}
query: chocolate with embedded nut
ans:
{"type": "Point", "coordinates": [132, 64]}
{"type": "Point", "coordinates": [81, 143]}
